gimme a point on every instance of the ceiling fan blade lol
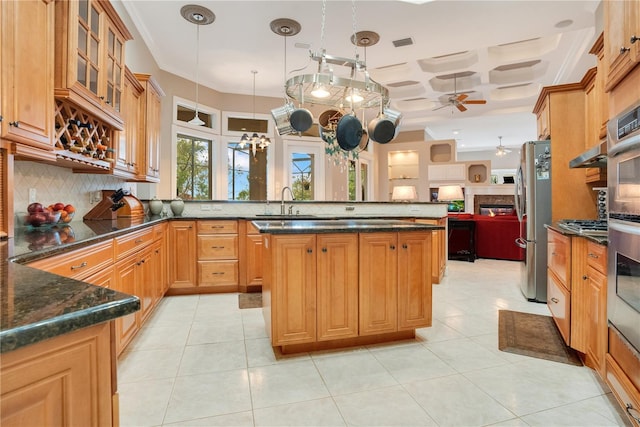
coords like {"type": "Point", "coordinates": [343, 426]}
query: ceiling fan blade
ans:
{"type": "Point", "coordinates": [461, 108]}
{"type": "Point", "coordinates": [475, 101]}
{"type": "Point", "coordinates": [462, 97]}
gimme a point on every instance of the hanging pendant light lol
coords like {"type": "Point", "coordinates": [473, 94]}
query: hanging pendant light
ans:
{"type": "Point", "coordinates": [198, 15]}
{"type": "Point", "coordinates": [254, 140]}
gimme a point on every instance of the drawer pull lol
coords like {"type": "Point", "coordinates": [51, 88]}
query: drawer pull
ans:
{"type": "Point", "coordinates": [555, 300]}
{"type": "Point", "coordinates": [217, 273]}
{"type": "Point", "coordinates": [634, 39]}
{"type": "Point", "coordinates": [16, 124]}
{"type": "Point", "coordinates": [590, 255]}
{"type": "Point", "coordinates": [217, 247]}
{"type": "Point", "coordinates": [324, 250]}
{"type": "Point", "coordinates": [404, 246]}
{"type": "Point", "coordinates": [585, 277]}
{"type": "Point", "coordinates": [138, 241]}
{"type": "Point", "coordinates": [624, 50]}
{"type": "Point", "coordinates": [77, 267]}
{"type": "Point", "coordinates": [629, 407]}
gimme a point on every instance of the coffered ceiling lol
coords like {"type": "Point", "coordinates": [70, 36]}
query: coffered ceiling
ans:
{"type": "Point", "coordinates": [500, 51]}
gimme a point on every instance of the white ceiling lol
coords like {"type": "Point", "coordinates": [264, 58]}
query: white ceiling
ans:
{"type": "Point", "coordinates": [448, 37]}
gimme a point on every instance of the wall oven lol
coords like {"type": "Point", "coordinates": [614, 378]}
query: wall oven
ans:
{"type": "Point", "coordinates": [623, 270]}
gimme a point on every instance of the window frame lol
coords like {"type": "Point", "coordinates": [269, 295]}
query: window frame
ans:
{"type": "Point", "coordinates": [314, 146]}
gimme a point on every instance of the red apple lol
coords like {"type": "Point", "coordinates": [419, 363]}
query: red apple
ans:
{"type": "Point", "coordinates": [35, 207]}
{"type": "Point", "coordinates": [37, 219]}
{"type": "Point", "coordinates": [58, 206]}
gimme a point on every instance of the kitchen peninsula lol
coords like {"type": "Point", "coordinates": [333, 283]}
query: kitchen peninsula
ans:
{"type": "Point", "coordinates": [338, 283]}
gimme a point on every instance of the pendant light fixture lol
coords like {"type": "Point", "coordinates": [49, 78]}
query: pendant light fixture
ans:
{"type": "Point", "coordinates": [254, 140]}
{"type": "Point", "coordinates": [198, 15]}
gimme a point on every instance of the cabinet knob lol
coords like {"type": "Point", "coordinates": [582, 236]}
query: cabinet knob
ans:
{"type": "Point", "coordinates": [585, 277]}
{"type": "Point", "coordinates": [404, 246]}
{"type": "Point", "coordinates": [624, 50]}
{"type": "Point", "coordinates": [324, 249]}
{"type": "Point", "coordinates": [16, 124]}
{"type": "Point", "coordinates": [392, 247]}
{"type": "Point", "coordinates": [634, 39]}
{"type": "Point", "coordinates": [309, 250]}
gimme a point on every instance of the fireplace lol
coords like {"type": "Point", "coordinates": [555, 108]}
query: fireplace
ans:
{"type": "Point", "coordinates": [498, 204]}
{"type": "Point", "coordinates": [496, 210]}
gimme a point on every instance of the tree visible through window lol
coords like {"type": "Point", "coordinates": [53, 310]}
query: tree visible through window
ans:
{"type": "Point", "coordinates": [246, 173]}
{"type": "Point", "coordinates": [193, 168]}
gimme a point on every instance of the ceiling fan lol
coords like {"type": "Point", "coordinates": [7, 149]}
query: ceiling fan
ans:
{"type": "Point", "coordinates": [501, 150]}
{"type": "Point", "coordinates": [458, 100]}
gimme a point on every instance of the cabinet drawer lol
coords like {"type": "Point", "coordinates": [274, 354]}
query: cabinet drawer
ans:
{"type": "Point", "coordinates": [558, 301]}
{"type": "Point", "coordinates": [159, 231]}
{"type": "Point", "coordinates": [217, 227]}
{"type": "Point", "coordinates": [212, 273]}
{"type": "Point", "coordinates": [80, 263]}
{"type": "Point", "coordinates": [217, 247]}
{"type": "Point", "coordinates": [133, 242]}
{"type": "Point", "coordinates": [597, 257]}
{"type": "Point", "coordinates": [559, 256]}
{"type": "Point", "coordinates": [622, 388]}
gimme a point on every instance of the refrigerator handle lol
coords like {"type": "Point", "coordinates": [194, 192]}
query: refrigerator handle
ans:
{"type": "Point", "coordinates": [521, 242]}
{"type": "Point", "coordinates": [518, 191]}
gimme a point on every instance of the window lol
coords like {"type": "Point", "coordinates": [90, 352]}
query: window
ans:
{"type": "Point", "coordinates": [193, 168]}
{"type": "Point", "coordinates": [246, 173]}
{"type": "Point", "coordinates": [302, 175]}
{"type": "Point", "coordinates": [305, 174]}
{"type": "Point", "coordinates": [358, 183]}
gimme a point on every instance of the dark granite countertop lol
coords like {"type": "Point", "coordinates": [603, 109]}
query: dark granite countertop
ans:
{"type": "Point", "coordinates": [301, 226]}
{"type": "Point", "coordinates": [601, 240]}
{"type": "Point", "coordinates": [37, 305]}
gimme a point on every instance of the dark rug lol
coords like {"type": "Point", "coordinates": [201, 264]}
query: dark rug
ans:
{"type": "Point", "coordinates": [533, 335]}
{"type": "Point", "coordinates": [250, 300]}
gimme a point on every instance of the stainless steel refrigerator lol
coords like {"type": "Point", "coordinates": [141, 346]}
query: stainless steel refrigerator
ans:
{"type": "Point", "coordinates": [533, 206]}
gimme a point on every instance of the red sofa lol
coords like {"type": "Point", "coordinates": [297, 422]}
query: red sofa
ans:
{"type": "Point", "coordinates": [494, 236]}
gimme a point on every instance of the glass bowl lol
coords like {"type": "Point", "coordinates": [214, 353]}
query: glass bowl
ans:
{"type": "Point", "coordinates": [41, 219]}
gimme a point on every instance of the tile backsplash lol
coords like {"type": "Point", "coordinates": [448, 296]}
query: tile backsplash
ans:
{"type": "Point", "coordinates": [56, 184]}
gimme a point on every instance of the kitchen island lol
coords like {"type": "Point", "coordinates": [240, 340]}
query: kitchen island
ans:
{"type": "Point", "coordinates": [339, 283]}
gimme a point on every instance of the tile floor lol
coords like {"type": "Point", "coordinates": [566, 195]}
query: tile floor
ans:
{"type": "Point", "coordinates": [200, 361]}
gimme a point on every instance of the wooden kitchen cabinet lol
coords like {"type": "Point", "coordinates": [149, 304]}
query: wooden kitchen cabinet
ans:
{"type": "Point", "coordinates": [149, 143]}
{"type": "Point", "coordinates": [160, 255]}
{"type": "Point", "coordinates": [89, 58]}
{"type": "Point", "coordinates": [559, 281]}
{"type": "Point", "coordinates": [596, 303]}
{"type": "Point", "coordinates": [127, 157]}
{"type": "Point", "coordinates": [251, 262]}
{"type": "Point", "coordinates": [290, 288]}
{"type": "Point", "coordinates": [542, 120]}
{"type": "Point", "coordinates": [80, 263]}
{"type": "Point", "coordinates": [571, 196]}
{"type": "Point", "coordinates": [217, 252]}
{"type": "Point", "coordinates": [336, 286]}
{"type": "Point", "coordinates": [68, 380]}
{"type": "Point", "coordinates": [378, 279]}
{"type": "Point", "coordinates": [26, 86]}
{"type": "Point", "coordinates": [438, 248]}
{"type": "Point", "coordinates": [603, 97]}
{"type": "Point", "coordinates": [622, 374]}
{"type": "Point", "coordinates": [621, 43]}
{"type": "Point", "coordinates": [414, 280]}
{"type": "Point", "coordinates": [182, 255]}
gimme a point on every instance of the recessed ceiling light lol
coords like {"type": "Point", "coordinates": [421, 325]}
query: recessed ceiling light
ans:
{"type": "Point", "coordinates": [564, 23]}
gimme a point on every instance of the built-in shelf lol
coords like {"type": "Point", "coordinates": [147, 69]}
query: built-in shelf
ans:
{"type": "Point", "coordinates": [403, 165]}
{"type": "Point", "coordinates": [442, 153]}
{"type": "Point", "coordinates": [477, 173]}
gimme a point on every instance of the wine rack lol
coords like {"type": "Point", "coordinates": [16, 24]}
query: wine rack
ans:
{"type": "Point", "coordinates": [82, 139]}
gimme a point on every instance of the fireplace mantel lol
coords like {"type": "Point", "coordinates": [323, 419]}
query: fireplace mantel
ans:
{"type": "Point", "coordinates": [496, 190]}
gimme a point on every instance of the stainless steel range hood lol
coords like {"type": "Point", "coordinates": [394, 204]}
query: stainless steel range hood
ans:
{"type": "Point", "coordinates": [595, 157]}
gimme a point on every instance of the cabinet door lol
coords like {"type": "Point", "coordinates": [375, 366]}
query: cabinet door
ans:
{"type": "Point", "coordinates": [542, 120]}
{"type": "Point", "coordinates": [152, 140]}
{"type": "Point", "coordinates": [438, 248]}
{"type": "Point", "coordinates": [105, 278]}
{"type": "Point", "coordinates": [337, 286]}
{"type": "Point", "coordinates": [559, 303]}
{"type": "Point", "coordinates": [253, 260]}
{"type": "Point", "coordinates": [27, 45]}
{"type": "Point", "coordinates": [144, 279]}
{"type": "Point", "coordinates": [597, 318]}
{"type": "Point", "coordinates": [126, 282]}
{"type": "Point", "coordinates": [182, 254]}
{"type": "Point", "coordinates": [127, 157]}
{"type": "Point", "coordinates": [378, 279]}
{"type": "Point", "coordinates": [559, 256]}
{"type": "Point", "coordinates": [414, 280]}
{"type": "Point", "coordinates": [621, 24]}
{"type": "Point", "coordinates": [293, 293]}
{"type": "Point", "coordinates": [159, 262]}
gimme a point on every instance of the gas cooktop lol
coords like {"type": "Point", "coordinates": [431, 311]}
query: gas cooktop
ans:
{"type": "Point", "coordinates": [588, 227]}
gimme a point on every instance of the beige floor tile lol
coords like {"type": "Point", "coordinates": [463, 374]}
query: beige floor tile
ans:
{"type": "Point", "coordinates": [319, 412]}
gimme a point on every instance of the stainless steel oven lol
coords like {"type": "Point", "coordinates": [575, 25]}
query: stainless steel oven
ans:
{"type": "Point", "coordinates": [623, 270]}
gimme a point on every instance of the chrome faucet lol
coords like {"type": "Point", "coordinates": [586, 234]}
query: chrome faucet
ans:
{"type": "Point", "coordinates": [282, 200]}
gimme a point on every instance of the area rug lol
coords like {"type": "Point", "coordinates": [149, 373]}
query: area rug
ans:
{"type": "Point", "coordinates": [533, 335]}
{"type": "Point", "coordinates": [250, 300]}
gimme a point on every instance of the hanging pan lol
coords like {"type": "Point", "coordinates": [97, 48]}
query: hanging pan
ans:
{"type": "Point", "coordinates": [349, 132]}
